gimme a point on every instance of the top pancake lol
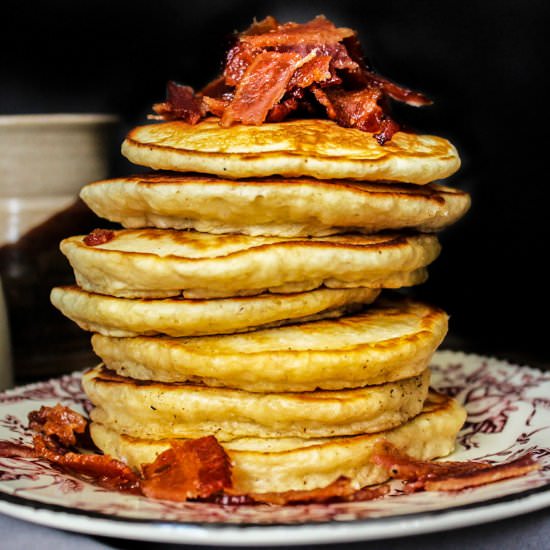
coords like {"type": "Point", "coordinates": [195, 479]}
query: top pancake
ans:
{"type": "Point", "coordinates": [288, 207]}
{"type": "Point", "coordinates": [304, 147]}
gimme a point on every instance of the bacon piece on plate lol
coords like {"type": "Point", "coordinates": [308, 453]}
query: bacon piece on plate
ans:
{"type": "Point", "coordinates": [9, 449]}
{"type": "Point", "coordinates": [340, 490]}
{"type": "Point", "coordinates": [447, 476]}
{"type": "Point", "coordinates": [59, 422]}
{"type": "Point", "coordinates": [100, 469]}
{"type": "Point", "coordinates": [482, 476]}
{"type": "Point", "coordinates": [196, 468]}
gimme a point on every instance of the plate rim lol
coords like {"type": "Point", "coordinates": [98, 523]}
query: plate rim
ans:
{"type": "Point", "coordinates": [203, 533]}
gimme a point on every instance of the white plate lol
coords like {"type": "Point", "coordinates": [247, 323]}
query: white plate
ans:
{"type": "Point", "coordinates": [508, 415]}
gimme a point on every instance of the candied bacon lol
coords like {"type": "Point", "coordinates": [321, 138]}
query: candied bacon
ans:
{"type": "Point", "coordinates": [447, 476]}
{"type": "Point", "coordinates": [59, 422]}
{"type": "Point", "coordinates": [99, 236]}
{"type": "Point", "coordinates": [195, 468]}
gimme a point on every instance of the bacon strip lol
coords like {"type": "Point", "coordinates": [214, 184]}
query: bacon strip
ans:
{"type": "Point", "coordinates": [103, 470]}
{"type": "Point", "coordinates": [313, 71]}
{"type": "Point", "coordinates": [318, 30]}
{"type": "Point", "coordinates": [340, 490]}
{"type": "Point", "coordinates": [447, 476]}
{"type": "Point", "coordinates": [196, 468]}
{"type": "Point", "coordinates": [490, 474]}
{"type": "Point", "coordinates": [360, 109]}
{"type": "Point", "coordinates": [215, 106]}
{"type": "Point", "coordinates": [397, 92]}
{"type": "Point", "coordinates": [8, 449]}
{"type": "Point", "coordinates": [262, 86]}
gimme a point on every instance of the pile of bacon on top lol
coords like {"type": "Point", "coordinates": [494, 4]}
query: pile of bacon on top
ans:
{"type": "Point", "coordinates": [199, 469]}
{"type": "Point", "coordinates": [276, 70]}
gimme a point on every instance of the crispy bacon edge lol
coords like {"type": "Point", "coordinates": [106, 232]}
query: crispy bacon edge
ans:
{"type": "Point", "coordinates": [421, 475]}
{"type": "Point", "coordinates": [191, 469]}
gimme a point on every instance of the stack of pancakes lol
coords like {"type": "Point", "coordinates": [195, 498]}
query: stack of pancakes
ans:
{"type": "Point", "coordinates": [241, 299]}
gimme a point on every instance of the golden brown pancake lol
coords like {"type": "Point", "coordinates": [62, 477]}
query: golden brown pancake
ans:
{"type": "Point", "coordinates": [154, 263]}
{"type": "Point", "coordinates": [271, 465]}
{"type": "Point", "coordinates": [113, 316]}
{"type": "Point", "coordinates": [155, 410]}
{"type": "Point", "coordinates": [272, 206]}
{"type": "Point", "coordinates": [316, 148]}
{"type": "Point", "coordinates": [390, 341]}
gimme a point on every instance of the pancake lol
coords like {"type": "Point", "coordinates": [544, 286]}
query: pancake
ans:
{"type": "Point", "coordinates": [271, 465]}
{"type": "Point", "coordinates": [180, 317]}
{"type": "Point", "coordinates": [155, 263]}
{"type": "Point", "coordinates": [388, 342]}
{"type": "Point", "coordinates": [273, 206]}
{"type": "Point", "coordinates": [154, 410]}
{"type": "Point", "coordinates": [316, 148]}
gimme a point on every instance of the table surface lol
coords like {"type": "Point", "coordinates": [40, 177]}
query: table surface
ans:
{"type": "Point", "coordinates": [529, 531]}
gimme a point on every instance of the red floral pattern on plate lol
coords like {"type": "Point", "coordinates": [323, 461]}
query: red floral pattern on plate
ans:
{"type": "Point", "coordinates": [508, 415]}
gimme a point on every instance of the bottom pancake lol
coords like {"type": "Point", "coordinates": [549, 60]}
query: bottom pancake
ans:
{"type": "Point", "coordinates": [283, 464]}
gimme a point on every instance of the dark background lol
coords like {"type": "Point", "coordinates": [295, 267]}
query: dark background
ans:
{"type": "Point", "coordinates": [482, 62]}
